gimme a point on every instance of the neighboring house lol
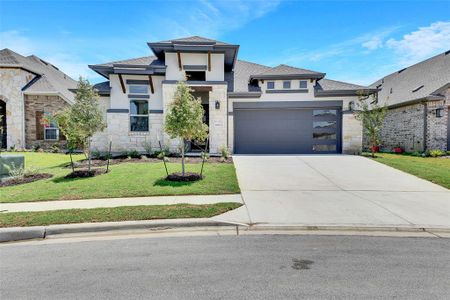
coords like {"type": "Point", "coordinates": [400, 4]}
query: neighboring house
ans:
{"type": "Point", "coordinates": [30, 88]}
{"type": "Point", "coordinates": [418, 98]}
{"type": "Point", "coordinates": [250, 108]}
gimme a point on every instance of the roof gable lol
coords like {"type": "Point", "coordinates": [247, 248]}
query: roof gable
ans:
{"type": "Point", "coordinates": [419, 81]}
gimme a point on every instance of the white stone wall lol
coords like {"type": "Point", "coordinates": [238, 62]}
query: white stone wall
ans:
{"type": "Point", "coordinates": [11, 83]}
{"type": "Point", "coordinates": [352, 134]}
{"type": "Point", "coordinates": [123, 140]}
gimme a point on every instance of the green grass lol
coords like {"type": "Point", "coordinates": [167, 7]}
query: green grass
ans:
{"type": "Point", "coordinates": [124, 213]}
{"type": "Point", "coordinates": [436, 170]}
{"type": "Point", "coordinates": [124, 180]}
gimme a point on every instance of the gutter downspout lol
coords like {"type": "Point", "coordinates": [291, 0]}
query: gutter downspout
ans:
{"type": "Point", "coordinates": [425, 125]}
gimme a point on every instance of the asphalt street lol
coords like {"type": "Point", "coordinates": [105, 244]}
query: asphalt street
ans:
{"type": "Point", "coordinates": [228, 267]}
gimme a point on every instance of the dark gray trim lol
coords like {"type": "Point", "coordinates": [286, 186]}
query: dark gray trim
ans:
{"type": "Point", "coordinates": [134, 72]}
{"type": "Point", "coordinates": [230, 113]}
{"type": "Point", "coordinates": [416, 101]}
{"type": "Point", "coordinates": [156, 111]}
{"type": "Point", "coordinates": [355, 92]}
{"type": "Point", "coordinates": [286, 104]}
{"type": "Point", "coordinates": [195, 67]}
{"type": "Point", "coordinates": [195, 82]}
{"type": "Point", "coordinates": [118, 110]}
{"type": "Point", "coordinates": [287, 91]}
{"type": "Point", "coordinates": [36, 77]}
{"type": "Point", "coordinates": [288, 76]}
{"type": "Point", "coordinates": [138, 96]}
{"type": "Point", "coordinates": [199, 48]}
{"type": "Point", "coordinates": [135, 81]}
{"type": "Point", "coordinates": [244, 94]}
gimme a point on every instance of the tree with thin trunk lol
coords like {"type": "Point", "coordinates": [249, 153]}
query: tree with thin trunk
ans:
{"type": "Point", "coordinates": [184, 119]}
{"type": "Point", "coordinates": [83, 119]}
{"type": "Point", "coordinates": [371, 114]}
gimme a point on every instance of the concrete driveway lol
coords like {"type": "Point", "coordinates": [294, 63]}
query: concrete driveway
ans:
{"type": "Point", "coordinates": [336, 190]}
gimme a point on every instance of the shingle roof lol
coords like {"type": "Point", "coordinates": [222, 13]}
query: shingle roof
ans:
{"type": "Point", "coordinates": [328, 84]}
{"type": "Point", "coordinates": [287, 70]}
{"type": "Point", "coordinates": [238, 80]}
{"type": "Point", "coordinates": [194, 39]}
{"type": "Point", "coordinates": [144, 61]}
{"type": "Point", "coordinates": [50, 80]}
{"type": "Point", "coordinates": [432, 74]}
{"type": "Point", "coordinates": [103, 88]}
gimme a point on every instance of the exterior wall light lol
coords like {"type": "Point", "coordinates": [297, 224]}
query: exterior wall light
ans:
{"type": "Point", "coordinates": [351, 106]}
{"type": "Point", "coordinates": [217, 104]}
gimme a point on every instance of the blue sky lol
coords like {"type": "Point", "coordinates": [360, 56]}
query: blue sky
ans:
{"type": "Point", "coordinates": [354, 41]}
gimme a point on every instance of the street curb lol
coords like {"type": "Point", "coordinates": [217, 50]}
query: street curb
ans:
{"type": "Point", "coordinates": [348, 227]}
{"type": "Point", "coordinates": [41, 232]}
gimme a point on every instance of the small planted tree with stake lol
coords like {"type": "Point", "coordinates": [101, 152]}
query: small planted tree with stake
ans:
{"type": "Point", "coordinates": [185, 121]}
{"type": "Point", "coordinates": [82, 120]}
{"type": "Point", "coordinates": [371, 114]}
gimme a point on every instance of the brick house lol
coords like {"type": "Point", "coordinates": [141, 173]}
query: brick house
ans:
{"type": "Point", "coordinates": [250, 108]}
{"type": "Point", "coordinates": [418, 98]}
{"type": "Point", "coordinates": [30, 88]}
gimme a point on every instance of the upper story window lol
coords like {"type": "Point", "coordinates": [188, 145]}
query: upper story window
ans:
{"type": "Point", "coordinates": [270, 85]}
{"type": "Point", "coordinates": [138, 89]}
{"type": "Point", "coordinates": [286, 84]}
{"type": "Point", "coordinates": [196, 75]}
{"type": "Point", "coordinates": [303, 84]}
{"type": "Point", "coordinates": [139, 115]}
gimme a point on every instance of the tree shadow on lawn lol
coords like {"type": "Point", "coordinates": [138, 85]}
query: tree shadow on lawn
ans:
{"type": "Point", "coordinates": [164, 182]}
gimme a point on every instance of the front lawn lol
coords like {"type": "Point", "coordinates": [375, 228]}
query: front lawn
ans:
{"type": "Point", "coordinates": [436, 170]}
{"type": "Point", "coordinates": [123, 213]}
{"type": "Point", "coordinates": [124, 180]}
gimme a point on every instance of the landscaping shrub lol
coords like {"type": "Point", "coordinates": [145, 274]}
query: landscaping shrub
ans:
{"type": "Point", "coordinates": [224, 152]}
{"type": "Point", "coordinates": [55, 148]}
{"type": "Point", "coordinates": [147, 147]}
{"type": "Point", "coordinates": [134, 154]}
{"type": "Point", "coordinates": [436, 153]}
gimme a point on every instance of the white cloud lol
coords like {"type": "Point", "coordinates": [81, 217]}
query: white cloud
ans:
{"type": "Point", "coordinates": [213, 18]}
{"type": "Point", "coordinates": [56, 53]}
{"type": "Point", "coordinates": [16, 41]}
{"type": "Point", "coordinates": [373, 43]}
{"type": "Point", "coordinates": [422, 43]}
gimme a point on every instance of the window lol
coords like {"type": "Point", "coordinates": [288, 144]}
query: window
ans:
{"type": "Point", "coordinates": [324, 124]}
{"type": "Point", "coordinates": [196, 75]}
{"type": "Point", "coordinates": [51, 132]}
{"type": "Point", "coordinates": [324, 112]}
{"type": "Point", "coordinates": [324, 135]}
{"type": "Point", "coordinates": [138, 89]}
{"type": "Point", "coordinates": [270, 85]}
{"type": "Point", "coordinates": [139, 115]}
{"type": "Point", "coordinates": [319, 148]}
{"type": "Point", "coordinates": [303, 84]}
{"type": "Point", "coordinates": [286, 84]}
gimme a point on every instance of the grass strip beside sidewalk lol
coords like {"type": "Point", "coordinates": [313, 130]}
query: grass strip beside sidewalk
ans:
{"type": "Point", "coordinates": [113, 214]}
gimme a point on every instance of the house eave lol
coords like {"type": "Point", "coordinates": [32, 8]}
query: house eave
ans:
{"type": "Point", "coordinates": [352, 92]}
{"type": "Point", "coordinates": [287, 76]}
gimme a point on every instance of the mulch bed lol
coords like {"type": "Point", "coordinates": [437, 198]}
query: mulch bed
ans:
{"type": "Point", "coordinates": [188, 176]}
{"type": "Point", "coordinates": [85, 173]}
{"type": "Point", "coordinates": [25, 179]}
{"type": "Point", "coordinates": [115, 161]}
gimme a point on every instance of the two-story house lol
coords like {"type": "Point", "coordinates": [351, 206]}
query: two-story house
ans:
{"type": "Point", "coordinates": [249, 108]}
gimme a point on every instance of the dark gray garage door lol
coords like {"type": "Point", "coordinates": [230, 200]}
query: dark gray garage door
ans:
{"type": "Point", "coordinates": [287, 128]}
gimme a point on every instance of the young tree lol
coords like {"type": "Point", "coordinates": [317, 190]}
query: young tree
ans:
{"type": "Point", "coordinates": [371, 114]}
{"type": "Point", "coordinates": [83, 119]}
{"type": "Point", "coordinates": [185, 118]}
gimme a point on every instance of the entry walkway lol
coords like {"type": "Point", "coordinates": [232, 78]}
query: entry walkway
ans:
{"type": "Point", "coordinates": [115, 202]}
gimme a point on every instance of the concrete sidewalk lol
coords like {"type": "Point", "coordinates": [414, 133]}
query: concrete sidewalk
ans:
{"type": "Point", "coordinates": [116, 202]}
